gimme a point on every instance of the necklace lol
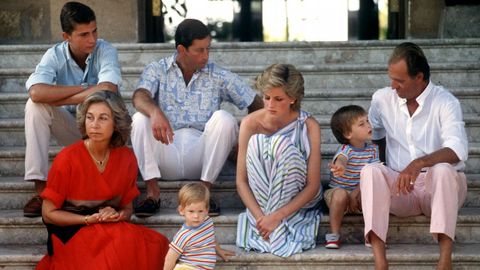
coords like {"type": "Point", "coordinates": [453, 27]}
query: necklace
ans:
{"type": "Point", "coordinates": [99, 163]}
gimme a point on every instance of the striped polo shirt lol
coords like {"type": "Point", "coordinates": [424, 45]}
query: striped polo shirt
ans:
{"type": "Point", "coordinates": [196, 245]}
{"type": "Point", "coordinates": [356, 159]}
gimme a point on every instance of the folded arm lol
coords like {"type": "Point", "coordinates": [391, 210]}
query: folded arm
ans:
{"type": "Point", "coordinates": [58, 95]}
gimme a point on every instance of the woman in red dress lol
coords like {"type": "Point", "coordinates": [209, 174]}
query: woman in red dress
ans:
{"type": "Point", "coordinates": [88, 199]}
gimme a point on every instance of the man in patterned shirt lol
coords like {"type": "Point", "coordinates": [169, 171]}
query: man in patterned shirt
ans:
{"type": "Point", "coordinates": [179, 131]}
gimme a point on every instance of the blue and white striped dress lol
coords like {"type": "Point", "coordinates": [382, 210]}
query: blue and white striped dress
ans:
{"type": "Point", "coordinates": [276, 169]}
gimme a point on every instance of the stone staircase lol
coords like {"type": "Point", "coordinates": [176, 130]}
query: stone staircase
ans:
{"type": "Point", "coordinates": [336, 74]}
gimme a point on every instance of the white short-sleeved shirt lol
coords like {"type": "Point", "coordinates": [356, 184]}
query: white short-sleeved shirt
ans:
{"type": "Point", "coordinates": [437, 123]}
{"type": "Point", "coordinates": [192, 105]}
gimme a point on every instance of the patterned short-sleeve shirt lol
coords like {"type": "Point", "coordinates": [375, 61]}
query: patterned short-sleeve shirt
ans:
{"type": "Point", "coordinates": [192, 105]}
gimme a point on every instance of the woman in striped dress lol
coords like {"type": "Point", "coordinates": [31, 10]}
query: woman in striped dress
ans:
{"type": "Point", "coordinates": [278, 168]}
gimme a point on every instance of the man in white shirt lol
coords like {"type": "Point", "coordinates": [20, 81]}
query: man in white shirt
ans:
{"type": "Point", "coordinates": [426, 147]}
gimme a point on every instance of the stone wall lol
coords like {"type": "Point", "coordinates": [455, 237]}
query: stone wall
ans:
{"type": "Point", "coordinates": [38, 21]}
{"type": "Point", "coordinates": [461, 21]}
{"type": "Point", "coordinates": [424, 18]}
{"type": "Point", "coordinates": [434, 19]}
{"type": "Point", "coordinates": [25, 21]}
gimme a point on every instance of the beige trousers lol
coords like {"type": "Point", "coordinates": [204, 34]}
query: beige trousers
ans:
{"type": "Point", "coordinates": [42, 121]}
{"type": "Point", "coordinates": [438, 193]}
{"type": "Point", "coordinates": [192, 155]}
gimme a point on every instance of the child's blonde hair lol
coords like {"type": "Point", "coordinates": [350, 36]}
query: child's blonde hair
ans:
{"type": "Point", "coordinates": [193, 193]}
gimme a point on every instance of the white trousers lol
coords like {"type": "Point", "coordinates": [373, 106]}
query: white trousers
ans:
{"type": "Point", "coordinates": [192, 155]}
{"type": "Point", "coordinates": [42, 121]}
{"type": "Point", "coordinates": [438, 193]}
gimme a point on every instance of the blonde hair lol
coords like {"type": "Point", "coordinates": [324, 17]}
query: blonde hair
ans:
{"type": "Point", "coordinates": [193, 193]}
{"type": "Point", "coordinates": [285, 76]}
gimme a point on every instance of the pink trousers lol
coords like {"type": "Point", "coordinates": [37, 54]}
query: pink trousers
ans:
{"type": "Point", "coordinates": [438, 193]}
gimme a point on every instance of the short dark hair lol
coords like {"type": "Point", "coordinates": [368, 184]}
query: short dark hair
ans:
{"type": "Point", "coordinates": [121, 118]}
{"type": "Point", "coordinates": [414, 58]}
{"type": "Point", "coordinates": [74, 13]}
{"type": "Point", "coordinates": [343, 119]}
{"type": "Point", "coordinates": [189, 30]}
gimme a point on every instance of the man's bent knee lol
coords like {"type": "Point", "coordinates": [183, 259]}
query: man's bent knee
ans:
{"type": "Point", "coordinates": [442, 168]}
{"type": "Point", "coordinates": [370, 170]}
{"type": "Point", "coordinates": [34, 109]}
{"type": "Point", "coordinates": [442, 173]}
{"type": "Point", "coordinates": [223, 119]}
{"type": "Point", "coordinates": [139, 120]}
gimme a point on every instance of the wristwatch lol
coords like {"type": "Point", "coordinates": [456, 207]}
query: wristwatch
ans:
{"type": "Point", "coordinates": [84, 85]}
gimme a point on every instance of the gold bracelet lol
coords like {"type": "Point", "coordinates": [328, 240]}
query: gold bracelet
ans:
{"type": "Point", "coordinates": [86, 220]}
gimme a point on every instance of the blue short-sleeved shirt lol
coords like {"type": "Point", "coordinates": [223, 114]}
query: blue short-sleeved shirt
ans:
{"type": "Point", "coordinates": [57, 67]}
{"type": "Point", "coordinates": [192, 105]}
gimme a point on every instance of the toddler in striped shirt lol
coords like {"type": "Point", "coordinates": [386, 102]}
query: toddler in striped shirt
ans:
{"type": "Point", "coordinates": [351, 128]}
{"type": "Point", "coordinates": [194, 246]}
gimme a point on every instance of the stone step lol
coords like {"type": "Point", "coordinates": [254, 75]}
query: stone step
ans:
{"type": "Point", "coordinates": [12, 130]}
{"type": "Point", "coordinates": [317, 101]}
{"type": "Point", "coordinates": [254, 53]}
{"type": "Point", "coordinates": [15, 192]}
{"type": "Point", "coordinates": [336, 73]}
{"type": "Point", "coordinates": [17, 229]}
{"type": "Point", "coordinates": [451, 75]}
{"type": "Point", "coordinates": [354, 256]}
{"type": "Point", "coordinates": [12, 158]}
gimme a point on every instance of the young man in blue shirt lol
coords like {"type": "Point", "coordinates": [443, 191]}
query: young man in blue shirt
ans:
{"type": "Point", "coordinates": [68, 72]}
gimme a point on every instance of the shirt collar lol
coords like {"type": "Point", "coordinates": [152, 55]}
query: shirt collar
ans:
{"type": "Point", "coordinates": [67, 50]}
{"type": "Point", "coordinates": [421, 98]}
{"type": "Point", "coordinates": [171, 62]}
{"type": "Point", "coordinates": [69, 56]}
